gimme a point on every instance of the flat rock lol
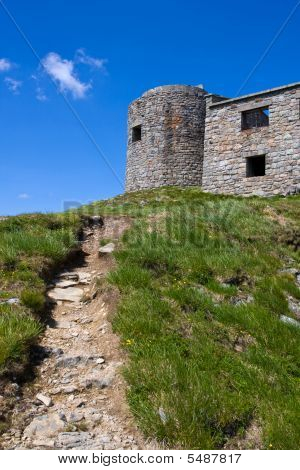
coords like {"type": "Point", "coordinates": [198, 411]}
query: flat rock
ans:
{"type": "Point", "coordinates": [71, 361]}
{"type": "Point", "coordinates": [64, 325]}
{"type": "Point", "coordinates": [66, 283]}
{"type": "Point", "coordinates": [70, 294]}
{"type": "Point", "coordinates": [12, 301]}
{"type": "Point", "coordinates": [100, 379]}
{"type": "Point", "coordinates": [101, 360]}
{"type": "Point", "coordinates": [84, 278]}
{"type": "Point", "coordinates": [71, 440]}
{"type": "Point", "coordinates": [69, 275]}
{"type": "Point", "coordinates": [48, 443]}
{"type": "Point", "coordinates": [69, 389]}
{"type": "Point", "coordinates": [294, 306]}
{"type": "Point", "coordinates": [289, 320]}
{"type": "Point", "coordinates": [44, 399]}
{"type": "Point", "coordinates": [44, 426]}
{"type": "Point", "coordinates": [75, 417]}
{"type": "Point", "coordinates": [106, 249]}
{"type": "Point", "coordinates": [293, 271]}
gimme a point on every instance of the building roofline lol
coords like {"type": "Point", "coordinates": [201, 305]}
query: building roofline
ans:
{"type": "Point", "coordinates": [162, 88]}
{"type": "Point", "coordinates": [175, 87]}
{"type": "Point", "coordinates": [252, 95]}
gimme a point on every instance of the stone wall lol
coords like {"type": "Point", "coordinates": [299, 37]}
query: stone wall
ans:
{"type": "Point", "coordinates": [227, 146]}
{"type": "Point", "coordinates": [170, 151]}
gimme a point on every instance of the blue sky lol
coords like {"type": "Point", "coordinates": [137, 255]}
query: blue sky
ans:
{"type": "Point", "coordinates": [101, 55]}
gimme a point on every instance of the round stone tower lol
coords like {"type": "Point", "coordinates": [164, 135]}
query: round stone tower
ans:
{"type": "Point", "coordinates": [166, 138]}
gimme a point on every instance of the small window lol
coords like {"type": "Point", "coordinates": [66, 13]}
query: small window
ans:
{"type": "Point", "coordinates": [258, 117]}
{"type": "Point", "coordinates": [136, 133]}
{"type": "Point", "coordinates": [256, 166]}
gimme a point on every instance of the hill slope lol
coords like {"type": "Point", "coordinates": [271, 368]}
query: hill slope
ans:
{"type": "Point", "coordinates": [204, 280]}
{"type": "Point", "coordinates": [207, 286]}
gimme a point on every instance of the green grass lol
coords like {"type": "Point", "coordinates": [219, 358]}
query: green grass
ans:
{"type": "Point", "coordinates": [201, 296]}
{"type": "Point", "coordinates": [17, 331]}
{"type": "Point", "coordinates": [31, 248]}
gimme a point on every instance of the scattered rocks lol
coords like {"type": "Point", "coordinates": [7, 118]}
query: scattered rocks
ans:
{"type": "Point", "coordinates": [88, 412]}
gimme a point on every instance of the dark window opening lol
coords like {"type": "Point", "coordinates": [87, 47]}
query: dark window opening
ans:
{"type": "Point", "coordinates": [136, 133]}
{"type": "Point", "coordinates": [256, 166]}
{"type": "Point", "coordinates": [258, 117]}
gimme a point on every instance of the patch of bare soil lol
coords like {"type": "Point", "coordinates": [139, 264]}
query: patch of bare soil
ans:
{"type": "Point", "coordinates": [273, 215]}
{"type": "Point", "coordinates": [78, 397]}
{"type": "Point", "coordinates": [252, 438]}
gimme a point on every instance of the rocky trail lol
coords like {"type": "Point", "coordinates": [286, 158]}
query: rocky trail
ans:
{"type": "Point", "coordinates": [77, 398]}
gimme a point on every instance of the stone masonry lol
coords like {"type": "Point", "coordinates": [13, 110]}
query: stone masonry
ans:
{"type": "Point", "coordinates": [181, 135]}
{"type": "Point", "coordinates": [227, 147]}
{"type": "Point", "coordinates": [170, 150]}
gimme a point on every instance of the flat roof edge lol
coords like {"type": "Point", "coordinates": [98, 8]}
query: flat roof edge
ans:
{"type": "Point", "coordinates": [253, 95]}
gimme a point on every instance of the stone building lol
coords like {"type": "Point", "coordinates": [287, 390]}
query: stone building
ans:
{"type": "Point", "coordinates": [182, 135]}
{"type": "Point", "coordinates": [166, 138]}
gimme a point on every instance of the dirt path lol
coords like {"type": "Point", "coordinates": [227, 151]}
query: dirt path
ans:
{"type": "Point", "coordinates": [81, 375]}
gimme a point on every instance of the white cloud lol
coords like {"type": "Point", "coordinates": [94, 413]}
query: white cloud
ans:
{"type": "Point", "coordinates": [13, 85]}
{"type": "Point", "coordinates": [62, 72]}
{"type": "Point", "coordinates": [23, 196]}
{"type": "Point", "coordinates": [5, 65]}
{"type": "Point", "coordinates": [40, 94]}
{"type": "Point", "coordinates": [39, 91]}
{"type": "Point", "coordinates": [82, 58]}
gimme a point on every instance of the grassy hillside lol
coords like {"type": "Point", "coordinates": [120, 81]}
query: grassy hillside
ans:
{"type": "Point", "coordinates": [203, 282]}
{"type": "Point", "coordinates": [31, 247]}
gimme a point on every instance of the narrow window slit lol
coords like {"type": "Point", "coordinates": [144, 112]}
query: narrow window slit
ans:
{"type": "Point", "coordinates": [136, 133]}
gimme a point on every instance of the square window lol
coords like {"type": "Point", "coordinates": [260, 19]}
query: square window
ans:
{"type": "Point", "coordinates": [258, 117]}
{"type": "Point", "coordinates": [256, 166]}
{"type": "Point", "coordinates": [136, 133]}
